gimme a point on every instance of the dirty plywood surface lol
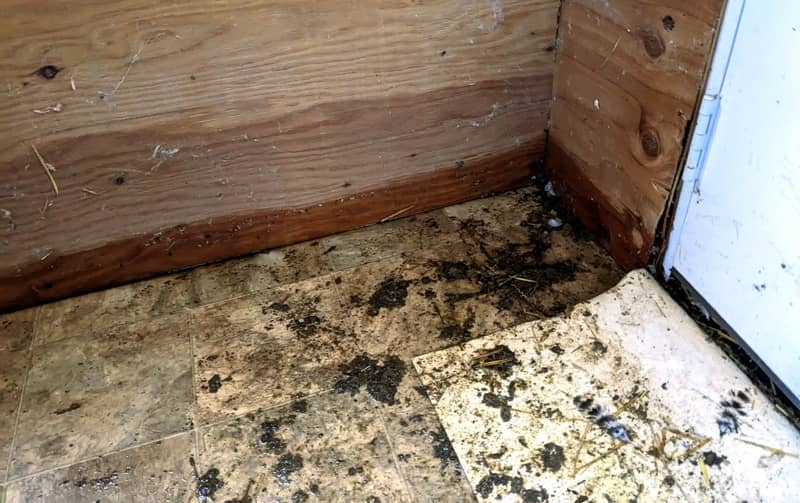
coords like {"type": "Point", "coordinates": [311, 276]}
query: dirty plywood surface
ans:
{"type": "Point", "coordinates": [183, 132]}
{"type": "Point", "coordinates": [622, 399]}
{"type": "Point", "coordinates": [627, 80]}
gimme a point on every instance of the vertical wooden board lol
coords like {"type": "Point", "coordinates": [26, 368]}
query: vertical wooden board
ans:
{"type": "Point", "coordinates": [193, 120]}
{"type": "Point", "coordinates": [628, 74]}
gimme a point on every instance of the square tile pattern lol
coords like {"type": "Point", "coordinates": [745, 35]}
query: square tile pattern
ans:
{"type": "Point", "coordinates": [284, 375]}
{"type": "Point", "coordinates": [93, 394]}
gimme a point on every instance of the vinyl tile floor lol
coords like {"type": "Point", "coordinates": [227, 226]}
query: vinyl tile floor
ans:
{"type": "Point", "coordinates": [282, 376]}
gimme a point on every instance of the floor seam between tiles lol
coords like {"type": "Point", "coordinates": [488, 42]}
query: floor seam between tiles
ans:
{"type": "Point", "coordinates": [110, 327]}
{"type": "Point", "coordinates": [96, 456]}
{"type": "Point", "coordinates": [263, 409]}
{"type": "Point", "coordinates": [13, 445]}
{"type": "Point", "coordinates": [195, 434]}
{"type": "Point", "coordinates": [394, 454]}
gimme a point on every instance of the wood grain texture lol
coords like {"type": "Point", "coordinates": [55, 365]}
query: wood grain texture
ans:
{"type": "Point", "coordinates": [628, 74]}
{"type": "Point", "coordinates": [193, 118]}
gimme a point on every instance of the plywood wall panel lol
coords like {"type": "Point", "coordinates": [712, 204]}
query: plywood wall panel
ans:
{"type": "Point", "coordinates": [628, 74]}
{"type": "Point", "coordinates": [185, 119]}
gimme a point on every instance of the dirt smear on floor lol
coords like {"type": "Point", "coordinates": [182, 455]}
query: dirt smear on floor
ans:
{"type": "Point", "coordinates": [379, 378]}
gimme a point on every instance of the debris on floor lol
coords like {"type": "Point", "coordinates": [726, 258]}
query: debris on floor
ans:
{"type": "Point", "coordinates": [621, 399]}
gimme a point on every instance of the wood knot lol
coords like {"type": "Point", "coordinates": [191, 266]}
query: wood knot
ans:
{"type": "Point", "coordinates": [48, 71]}
{"type": "Point", "coordinates": [651, 142]}
{"type": "Point", "coordinates": [653, 44]}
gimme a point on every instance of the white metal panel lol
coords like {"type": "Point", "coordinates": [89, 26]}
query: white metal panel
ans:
{"type": "Point", "coordinates": [739, 247]}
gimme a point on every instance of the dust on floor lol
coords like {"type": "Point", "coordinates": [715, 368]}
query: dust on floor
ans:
{"type": "Point", "coordinates": [285, 375]}
{"type": "Point", "coordinates": [621, 399]}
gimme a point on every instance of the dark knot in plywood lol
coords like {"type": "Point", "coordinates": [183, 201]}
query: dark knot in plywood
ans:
{"type": "Point", "coordinates": [653, 44]}
{"type": "Point", "coordinates": [48, 71]}
{"type": "Point", "coordinates": [651, 141]}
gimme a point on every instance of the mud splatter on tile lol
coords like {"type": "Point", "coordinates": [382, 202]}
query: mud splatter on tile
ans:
{"type": "Point", "coordinates": [527, 267]}
{"type": "Point", "coordinates": [90, 395]}
{"type": "Point", "coordinates": [424, 454]}
{"type": "Point", "coordinates": [157, 471]}
{"type": "Point", "coordinates": [268, 348]}
{"type": "Point", "coordinates": [336, 449]}
{"type": "Point", "coordinates": [403, 300]}
{"type": "Point", "coordinates": [592, 421]}
{"type": "Point", "coordinates": [96, 312]}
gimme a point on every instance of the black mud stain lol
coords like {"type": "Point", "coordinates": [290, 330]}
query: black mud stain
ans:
{"type": "Point", "coordinates": [103, 483]}
{"type": "Point", "coordinates": [355, 470]}
{"type": "Point", "coordinates": [214, 384]}
{"type": "Point", "coordinates": [300, 497]}
{"type": "Point", "coordinates": [533, 495]}
{"type": "Point", "coordinates": [607, 422]}
{"type": "Point", "coordinates": [276, 306]}
{"type": "Point", "coordinates": [557, 349]}
{"type": "Point", "coordinates": [453, 271]}
{"type": "Point", "coordinates": [379, 378]}
{"type": "Point", "coordinates": [487, 484]}
{"type": "Point", "coordinates": [305, 327]}
{"type": "Point", "coordinates": [728, 422]}
{"type": "Point", "coordinates": [69, 408]}
{"type": "Point", "coordinates": [711, 458]}
{"type": "Point", "coordinates": [741, 395]}
{"type": "Point", "coordinates": [442, 448]}
{"type": "Point", "coordinates": [286, 466]}
{"type": "Point", "coordinates": [268, 437]}
{"type": "Point", "coordinates": [552, 456]}
{"type": "Point", "coordinates": [599, 348]}
{"type": "Point", "coordinates": [208, 483]}
{"type": "Point", "coordinates": [300, 406]}
{"type": "Point", "coordinates": [527, 278]}
{"type": "Point", "coordinates": [499, 402]}
{"type": "Point", "coordinates": [668, 22]}
{"type": "Point", "coordinates": [734, 405]}
{"type": "Point", "coordinates": [459, 333]}
{"type": "Point", "coordinates": [669, 480]}
{"type": "Point", "coordinates": [391, 294]}
{"type": "Point", "coordinates": [499, 454]}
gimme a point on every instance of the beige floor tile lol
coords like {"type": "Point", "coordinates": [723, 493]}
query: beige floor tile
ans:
{"type": "Point", "coordinates": [409, 305]}
{"type": "Point", "coordinates": [234, 278]}
{"type": "Point", "coordinates": [330, 447]}
{"type": "Point", "coordinates": [12, 376]}
{"type": "Point", "coordinates": [266, 349]}
{"type": "Point", "coordinates": [16, 329]}
{"type": "Point", "coordinates": [96, 312]}
{"type": "Point", "coordinates": [382, 241]}
{"type": "Point", "coordinates": [94, 394]}
{"type": "Point", "coordinates": [156, 472]}
{"type": "Point", "coordinates": [424, 453]}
